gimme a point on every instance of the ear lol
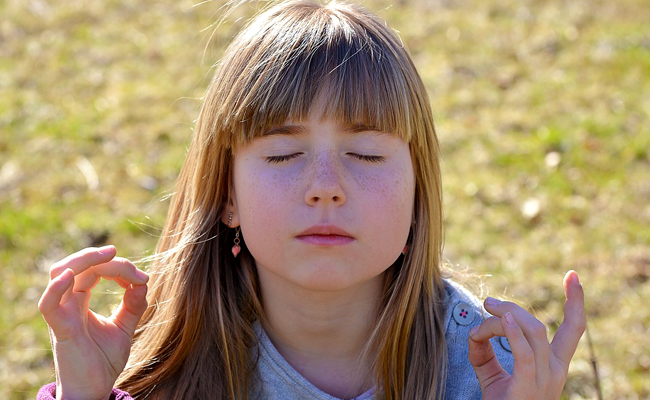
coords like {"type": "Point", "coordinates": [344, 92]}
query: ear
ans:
{"type": "Point", "coordinates": [231, 207]}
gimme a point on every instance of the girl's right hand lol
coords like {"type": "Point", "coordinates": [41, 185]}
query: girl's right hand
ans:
{"type": "Point", "coordinates": [90, 351]}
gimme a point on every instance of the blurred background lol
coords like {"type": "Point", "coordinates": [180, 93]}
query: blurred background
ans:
{"type": "Point", "coordinates": [542, 108]}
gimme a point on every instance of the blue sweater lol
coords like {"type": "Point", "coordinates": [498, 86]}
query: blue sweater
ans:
{"type": "Point", "coordinates": [277, 380]}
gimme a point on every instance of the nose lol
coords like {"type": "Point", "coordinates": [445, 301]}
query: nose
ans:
{"type": "Point", "coordinates": [325, 181]}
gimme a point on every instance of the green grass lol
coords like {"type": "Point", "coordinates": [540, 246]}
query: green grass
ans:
{"type": "Point", "coordinates": [536, 102]}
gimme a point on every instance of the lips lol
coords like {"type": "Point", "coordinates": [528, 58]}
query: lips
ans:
{"type": "Point", "coordinates": [325, 235]}
{"type": "Point", "coordinates": [325, 230]}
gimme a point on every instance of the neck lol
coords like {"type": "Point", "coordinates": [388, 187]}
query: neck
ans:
{"type": "Point", "coordinates": [322, 334]}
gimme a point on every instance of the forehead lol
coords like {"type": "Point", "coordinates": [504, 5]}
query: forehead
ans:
{"type": "Point", "coordinates": [296, 128]}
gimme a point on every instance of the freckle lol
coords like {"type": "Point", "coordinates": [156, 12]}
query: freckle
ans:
{"type": "Point", "coordinates": [372, 182]}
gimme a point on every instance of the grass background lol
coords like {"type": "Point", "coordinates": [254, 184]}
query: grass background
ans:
{"type": "Point", "coordinates": [542, 109]}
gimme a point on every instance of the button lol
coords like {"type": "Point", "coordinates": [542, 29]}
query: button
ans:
{"type": "Point", "coordinates": [505, 343]}
{"type": "Point", "coordinates": [463, 314]}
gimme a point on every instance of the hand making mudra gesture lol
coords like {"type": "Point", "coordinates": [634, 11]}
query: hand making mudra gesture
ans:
{"type": "Point", "coordinates": [540, 368]}
{"type": "Point", "coordinates": [90, 351]}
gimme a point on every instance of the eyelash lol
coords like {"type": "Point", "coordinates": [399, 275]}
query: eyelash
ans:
{"type": "Point", "coordinates": [279, 159]}
{"type": "Point", "coordinates": [372, 159]}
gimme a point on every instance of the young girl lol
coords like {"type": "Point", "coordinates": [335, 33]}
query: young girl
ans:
{"type": "Point", "coordinates": [301, 254]}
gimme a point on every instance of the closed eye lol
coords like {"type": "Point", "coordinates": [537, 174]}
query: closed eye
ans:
{"type": "Point", "coordinates": [373, 159]}
{"type": "Point", "coordinates": [279, 159]}
{"type": "Point", "coordinates": [283, 158]}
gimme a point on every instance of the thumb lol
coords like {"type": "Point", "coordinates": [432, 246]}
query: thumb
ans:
{"type": "Point", "coordinates": [486, 365]}
{"type": "Point", "coordinates": [131, 309]}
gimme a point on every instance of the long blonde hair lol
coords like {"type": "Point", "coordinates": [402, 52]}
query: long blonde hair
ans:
{"type": "Point", "coordinates": [196, 338]}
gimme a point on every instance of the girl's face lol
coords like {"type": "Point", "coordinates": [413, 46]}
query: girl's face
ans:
{"type": "Point", "coordinates": [352, 186]}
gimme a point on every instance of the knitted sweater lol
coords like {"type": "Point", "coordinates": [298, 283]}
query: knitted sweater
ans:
{"type": "Point", "coordinates": [275, 379]}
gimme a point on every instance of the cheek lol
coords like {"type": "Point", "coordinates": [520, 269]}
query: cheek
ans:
{"type": "Point", "coordinates": [263, 202]}
{"type": "Point", "coordinates": [390, 206]}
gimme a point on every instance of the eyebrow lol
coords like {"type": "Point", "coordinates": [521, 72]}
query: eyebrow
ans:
{"type": "Point", "coordinates": [299, 129]}
{"type": "Point", "coordinates": [358, 128]}
{"type": "Point", "coordinates": [286, 130]}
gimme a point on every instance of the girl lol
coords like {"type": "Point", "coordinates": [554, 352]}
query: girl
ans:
{"type": "Point", "coordinates": [301, 255]}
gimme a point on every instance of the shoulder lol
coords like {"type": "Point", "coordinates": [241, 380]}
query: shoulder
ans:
{"type": "Point", "coordinates": [463, 311]}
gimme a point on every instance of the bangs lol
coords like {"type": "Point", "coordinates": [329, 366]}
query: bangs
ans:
{"type": "Point", "coordinates": [290, 59]}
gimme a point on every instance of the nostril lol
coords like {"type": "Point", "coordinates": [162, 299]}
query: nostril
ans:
{"type": "Point", "coordinates": [334, 199]}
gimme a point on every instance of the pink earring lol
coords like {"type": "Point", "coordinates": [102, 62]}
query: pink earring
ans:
{"type": "Point", "coordinates": [235, 249]}
{"type": "Point", "coordinates": [405, 249]}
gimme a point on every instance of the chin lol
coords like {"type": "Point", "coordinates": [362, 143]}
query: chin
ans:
{"type": "Point", "coordinates": [325, 285]}
{"type": "Point", "coordinates": [333, 280]}
{"type": "Point", "coordinates": [320, 274]}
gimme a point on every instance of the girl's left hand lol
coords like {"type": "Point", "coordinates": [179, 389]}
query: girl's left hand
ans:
{"type": "Point", "coordinates": [540, 368]}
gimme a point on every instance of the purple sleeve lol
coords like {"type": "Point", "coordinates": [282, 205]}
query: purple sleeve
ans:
{"type": "Point", "coordinates": [48, 392]}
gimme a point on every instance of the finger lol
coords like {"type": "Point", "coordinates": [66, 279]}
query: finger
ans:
{"type": "Point", "coordinates": [533, 329]}
{"type": "Point", "coordinates": [524, 370]}
{"type": "Point", "coordinates": [568, 335]}
{"type": "Point", "coordinates": [50, 301]}
{"type": "Point", "coordinates": [118, 267]}
{"type": "Point", "coordinates": [123, 284]}
{"type": "Point", "coordinates": [482, 358]}
{"type": "Point", "coordinates": [488, 329]}
{"type": "Point", "coordinates": [120, 281]}
{"type": "Point", "coordinates": [83, 260]}
{"type": "Point", "coordinates": [131, 309]}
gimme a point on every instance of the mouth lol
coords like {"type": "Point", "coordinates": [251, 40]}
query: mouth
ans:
{"type": "Point", "coordinates": [325, 235]}
{"type": "Point", "coordinates": [325, 230]}
{"type": "Point", "coordinates": [325, 240]}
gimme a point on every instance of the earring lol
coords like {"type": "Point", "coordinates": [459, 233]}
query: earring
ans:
{"type": "Point", "coordinates": [405, 249]}
{"type": "Point", "coordinates": [236, 248]}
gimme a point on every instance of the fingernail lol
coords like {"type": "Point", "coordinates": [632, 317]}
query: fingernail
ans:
{"type": "Point", "coordinates": [474, 331]}
{"type": "Point", "coordinates": [511, 321]}
{"type": "Point", "coordinates": [105, 249]}
{"type": "Point", "coordinates": [142, 275]}
{"type": "Point", "coordinates": [576, 278]}
{"type": "Point", "coordinates": [65, 275]}
{"type": "Point", "coordinates": [491, 301]}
